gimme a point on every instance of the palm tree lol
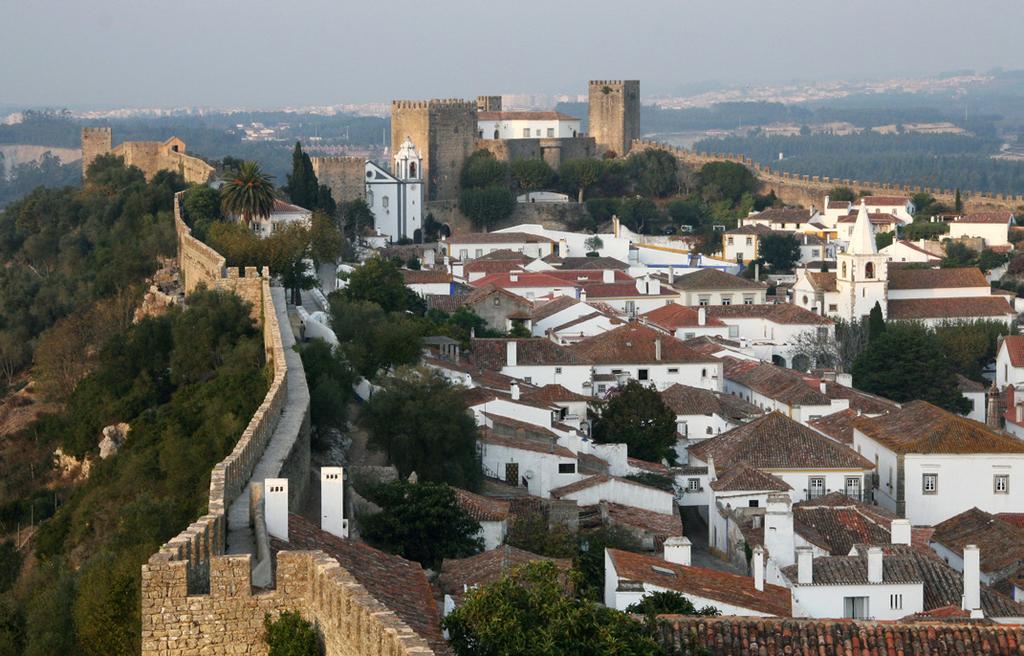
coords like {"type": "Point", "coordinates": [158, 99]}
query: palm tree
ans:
{"type": "Point", "coordinates": [248, 192]}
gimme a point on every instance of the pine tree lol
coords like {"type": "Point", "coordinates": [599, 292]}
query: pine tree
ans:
{"type": "Point", "coordinates": [876, 322]}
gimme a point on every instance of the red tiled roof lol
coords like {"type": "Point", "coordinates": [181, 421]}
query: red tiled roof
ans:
{"type": "Point", "coordinates": [885, 200]}
{"type": "Point", "coordinates": [487, 567]}
{"type": "Point", "coordinates": [482, 292]}
{"type": "Point", "coordinates": [877, 218]}
{"type": "Point", "coordinates": [710, 584]}
{"type": "Point", "coordinates": [756, 229]}
{"type": "Point", "coordinates": [492, 353]}
{"type": "Point", "coordinates": [596, 290]}
{"type": "Point", "coordinates": [553, 393]}
{"type": "Point", "coordinates": [488, 436]}
{"type": "Point", "coordinates": [911, 278]}
{"type": "Point", "coordinates": [775, 312]}
{"type": "Point", "coordinates": [838, 425]}
{"type": "Point", "coordinates": [949, 308]}
{"type": "Point", "coordinates": [481, 508]}
{"type": "Point", "coordinates": [836, 523]}
{"type": "Point", "coordinates": [781, 215]}
{"type": "Point", "coordinates": [911, 245]}
{"type": "Point", "coordinates": [920, 427]}
{"type": "Point", "coordinates": [286, 207]}
{"type": "Point", "coordinates": [707, 278]}
{"type": "Point", "coordinates": [985, 217]}
{"type": "Point", "coordinates": [583, 318]}
{"type": "Point", "coordinates": [524, 116]}
{"type": "Point", "coordinates": [775, 382]}
{"type": "Point", "coordinates": [822, 281]}
{"type": "Point", "coordinates": [659, 525]}
{"type": "Point", "coordinates": [839, 204]}
{"type": "Point", "coordinates": [635, 343]}
{"type": "Point", "coordinates": [590, 276]}
{"type": "Point", "coordinates": [397, 583]}
{"type": "Point", "coordinates": [687, 400]}
{"type": "Point", "coordinates": [1014, 345]}
{"type": "Point", "coordinates": [488, 267]}
{"type": "Point", "coordinates": [589, 263]}
{"type": "Point", "coordinates": [673, 316]}
{"type": "Point", "coordinates": [523, 279]}
{"type": "Point", "coordinates": [425, 276]}
{"type": "Point", "coordinates": [498, 238]}
{"type": "Point", "coordinates": [744, 478]}
{"type": "Point", "coordinates": [1000, 543]}
{"type": "Point", "coordinates": [775, 441]}
{"type": "Point", "coordinates": [554, 306]}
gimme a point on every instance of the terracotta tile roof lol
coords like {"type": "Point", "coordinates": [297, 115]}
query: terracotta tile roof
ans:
{"type": "Point", "coordinates": [985, 217]}
{"type": "Point", "coordinates": [775, 441]}
{"type": "Point", "coordinates": [756, 229]}
{"type": "Point", "coordinates": [904, 278]}
{"type": "Point", "coordinates": [869, 404]}
{"type": "Point", "coordinates": [635, 343]}
{"type": "Point", "coordinates": [786, 313]}
{"type": "Point", "coordinates": [647, 465]}
{"type": "Point", "coordinates": [488, 436]}
{"type": "Point", "coordinates": [590, 276]}
{"type": "Point", "coordinates": [821, 281]}
{"type": "Point", "coordinates": [498, 238]}
{"type": "Point", "coordinates": [839, 204]}
{"type": "Point", "coordinates": [965, 384]}
{"type": "Point", "coordinates": [1014, 345]}
{"type": "Point", "coordinates": [673, 316]}
{"type": "Point", "coordinates": [838, 425]}
{"type": "Point", "coordinates": [744, 478]}
{"type": "Point", "coordinates": [660, 525]}
{"type": "Point", "coordinates": [1001, 544]}
{"type": "Point", "coordinates": [597, 479]}
{"type": "Point", "coordinates": [487, 567]}
{"type": "Point", "coordinates": [286, 207]}
{"type": "Point", "coordinates": [486, 291]}
{"type": "Point", "coordinates": [488, 267]}
{"type": "Point", "coordinates": [714, 279]}
{"type": "Point", "coordinates": [784, 385]}
{"type": "Point", "coordinates": [503, 425]}
{"type": "Point", "coordinates": [635, 568]}
{"type": "Point", "coordinates": [781, 215]}
{"type": "Point", "coordinates": [591, 263]}
{"type": "Point", "coordinates": [885, 200]}
{"type": "Point", "coordinates": [503, 254]}
{"type": "Point", "coordinates": [481, 508]}
{"type": "Point", "coordinates": [583, 319]}
{"type": "Point", "coordinates": [553, 394]}
{"type": "Point", "coordinates": [444, 303]}
{"type": "Point", "coordinates": [853, 570]}
{"type": "Point", "coordinates": [523, 279]}
{"type": "Point", "coordinates": [920, 427]}
{"type": "Point", "coordinates": [524, 116]}
{"type": "Point", "coordinates": [1015, 518]}
{"type": "Point", "coordinates": [598, 290]}
{"type": "Point", "coordinates": [588, 463]}
{"type": "Point", "coordinates": [399, 584]}
{"type": "Point", "coordinates": [911, 245]}
{"type": "Point", "coordinates": [741, 636]}
{"type": "Point", "coordinates": [686, 400]}
{"type": "Point", "coordinates": [837, 523]}
{"type": "Point", "coordinates": [554, 306]}
{"type": "Point", "coordinates": [950, 308]}
{"type": "Point", "coordinates": [491, 353]}
{"type": "Point", "coordinates": [877, 218]}
{"type": "Point", "coordinates": [425, 276]}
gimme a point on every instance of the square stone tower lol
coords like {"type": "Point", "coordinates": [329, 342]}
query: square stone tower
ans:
{"type": "Point", "coordinates": [614, 114]}
{"type": "Point", "coordinates": [488, 103]}
{"type": "Point", "coordinates": [444, 132]}
{"type": "Point", "coordinates": [95, 142]}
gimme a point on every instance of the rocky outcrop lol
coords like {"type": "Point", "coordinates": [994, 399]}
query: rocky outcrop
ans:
{"type": "Point", "coordinates": [114, 437]}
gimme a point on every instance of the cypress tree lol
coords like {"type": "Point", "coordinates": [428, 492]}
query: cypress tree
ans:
{"type": "Point", "coordinates": [302, 184]}
{"type": "Point", "coordinates": [958, 204]}
{"type": "Point", "coordinates": [876, 323]}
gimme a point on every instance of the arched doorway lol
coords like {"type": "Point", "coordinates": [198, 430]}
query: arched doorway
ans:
{"type": "Point", "coordinates": [801, 362]}
{"type": "Point", "coordinates": [778, 360]}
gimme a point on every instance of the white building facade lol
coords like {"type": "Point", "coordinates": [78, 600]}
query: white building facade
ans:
{"type": "Point", "coordinates": [396, 198]}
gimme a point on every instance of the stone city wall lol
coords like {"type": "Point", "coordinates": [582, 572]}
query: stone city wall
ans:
{"type": "Point", "coordinates": [554, 151]}
{"type": "Point", "coordinates": [808, 190]}
{"type": "Point", "coordinates": [196, 599]}
{"type": "Point", "coordinates": [557, 216]}
{"type": "Point", "coordinates": [344, 176]}
{"type": "Point", "coordinates": [149, 156]}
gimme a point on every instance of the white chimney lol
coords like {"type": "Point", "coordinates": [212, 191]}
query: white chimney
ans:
{"type": "Point", "coordinates": [583, 295]}
{"type": "Point", "coordinates": [513, 276]}
{"type": "Point", "coordinates": [874, 565]}
{"type": "Point", "coordinates": [823, 386]}
{"type": "Point", "coordinates": [778, 528]}
{"type": "Point", "coordinates": [757, 272]}
{"type": "Point", "coordinates": [804, 565]}
{"type": "Point", "coordinates": [657, 349]}
{"type": "Point", "coordinates": [677, 550]}
{"type": "Point", "coordinates": [671, 275]}
{"type": "Point", "coordinates": [972, 580]}
{"type": "Point", "coordinates": [514, 387]}
{"type": "Point", "coordinates": [563, 248]}
{"type": "Point", "coordinates": [900, 531]}
{"type": "Point", "coordinates": [275, 507]}
{"type": "Point", "coordinates": [758, 569]}
{"type": "Point", "coordinates": [608, 275]}
{"type": "Point", "coordinates": [511, 353]}
{"type": "Point", "coordinates": [702, 316]}
{"type": "Point", "coordinates": [332, 501]}
{"type": "Point", "coordinates": [846, 380]}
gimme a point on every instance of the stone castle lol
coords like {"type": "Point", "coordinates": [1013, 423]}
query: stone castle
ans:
{"type": "Point", "coordinates": [206, 590]}
{"type": "Point", "coordinates": [614, 114]}
{"type": "Point", "coordinates": [150, 156]}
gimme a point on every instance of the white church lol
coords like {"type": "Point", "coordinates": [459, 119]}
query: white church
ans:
{"type": "Point", "coordinates": [396, 197]}
{"type": "Point", "coordinates": [916, 292]}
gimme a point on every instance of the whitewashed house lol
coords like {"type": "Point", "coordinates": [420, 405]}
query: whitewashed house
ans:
{"type": "Point", "coordinates": [702, 413]}
{"type": "Point", "coordinates": [526, 125]}
{"type": "Point", "coordinates": [539, 465]}
{"type": "Point", "coordinates": [921, 251]}
{"type": "Point", "coordinates": [991, 227]}
{"type": "Point", "coordinates": [899, 206]}
{"type": "Point", "coordinates": [471, 245]}
{"type": "Point", "coordinates": [534, 360]}
{"type": "Point", "coordinates": [685, 322]}
{"type": "Point", "coordinates": [1010, 362]}
{"type": "Point", "coordinates": [491, 513]}
{"type": "Point", "coordinates": [284, 214]}
{"type": "Point", "coordinates": [774, 388]}
{"type": "Point", "coordinates": [594, 489]}
{"type": "Point", "coordinates": [776, 332]}
{"type": "Point", "coordinates": [933, 464]}
{"type": "Point", "coordinates": [714, 287]}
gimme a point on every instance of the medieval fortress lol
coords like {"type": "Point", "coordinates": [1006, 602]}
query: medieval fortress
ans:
{"type": "Point", "coordinates": [150, 156]}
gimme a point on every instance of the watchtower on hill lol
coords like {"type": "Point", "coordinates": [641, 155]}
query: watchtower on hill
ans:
{"type": "Point", "coordinates": [445, 131]}
{"type": "Point", "coordinates": [614, 112]}
{"type": "Point", "coordinates": [95, 142]}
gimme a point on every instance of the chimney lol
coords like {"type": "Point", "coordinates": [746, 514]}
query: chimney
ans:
{"type": "Point", "coordinates": [900, 531]}
{"type": "Point", "coordinates": [992, 408]}
{"type": "Point", "coordinates": [804, 565]}
{"type": "Point", "coordinates": [757, 272]}
{"type": "Point", "coordinates": [823, 386]}
{"type": "Point", "coordinates": [759, 569]}
{"type": "Point", "coordinates": [511, 353]}
{"type": "Point", "coordinates": [657, 349]}
{"type": "Point", "coordinates": [874, 565]}
{"type": "Point", "coordinates": [671, 275]}
{"type": "Point", "coordinates": [677, 550]}
{"type": "Point", "coordinates": [332, 501]}
{"type": "Point", "coordinates": [563, 248]}
{"type": "Point", "coordinates": [583, 295]}
{"type": "Point", "coordinates": [972, 580]}
{"type": "Point", "coordinates": [778, 528]}
{"type": "Point", "coordinates": [513, 276]}
{"type": "Point", "coordinates": [702, 316]}
{"type": "Point", "coordinates": [514, 387]}
{"type": "Point", "coordinates": [608, 275]}
{"type": "Point", "coordinates": [275, 507]}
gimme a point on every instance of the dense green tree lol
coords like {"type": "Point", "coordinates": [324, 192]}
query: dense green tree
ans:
{"type": "Point", "coordinates": [637, 213]}
{"type": "Point", "coordinates": [420, 422]}
{"type": "Point", "coordinates": [357, 217]}
{"type": "Point", "coordinates": [684, 211]}
{"type": "Point", "coordinates": [669, 602]}
{"type": "Point", "coordinates": [958, 203]}
{"type": "Point", "coordinates": [924, 230]}
{"type": "Point", "coordinates": [302, 187]}
{"type": "Point", "coordinates": [883, 239]}
{"type": "Point", "coordinates": [726, 180]}
{"type": "Point", "coordinates": [637, 416]}
{"type": "Point", "coordinates": [201, 205]}
{"type": "Point", "coordinates": [655, 173]}
{"type": "Point", "coordinates": [958, 255]}
{"type": "Point", "coordinates": [876, 322]}
{"type": "Point", "coordinates": [841, 194]}
{"type": "Point", "coordinates": [49, 624]}
{"type": "Point", "coordinates": [327, 243]}
{"type": "Point", "coordinates": [247, 193]}
{"type": "Point", "coordinates": [371, 339]}
{"type": "Point", "coordinates": [12, 628]}
{"type": "Point", "coordinates": [482, 169]}
{"type": "Point", "coordinates": [421, 522]}
{"type": "Point", "coordinates": [530, 612]}
{"type": "Point", "coordinates": [532, 174]}
{"type": "Point", "coordinates": [291, 635]}
{"type": "Point", "coordinates": [532, 532]}
{"type": "Point", "coordinates": [379, 281]}
{"type": "Point", "coordinates": [578, 175]}
{"type": "Point", "coordinates": [892, 363]}
{"type": "Point", "coordinates": [780, 251]}
{"type": "Point", "coordinates": [590, 557]}
{"type": "Point", "coordinates": [602, 209]}
{"type": "Point", "coordinates": [971, 346]}
{"type": "Point", "coordinates": [989, 259]}
{"type": "Point", "coordinates": [486, 206]}
{"type": "Point", "coordinates": [593, 244]}
{"type": "Point", "coordinates": [330, 380]}
{"type": "Point", "coordinates": [10, 565]}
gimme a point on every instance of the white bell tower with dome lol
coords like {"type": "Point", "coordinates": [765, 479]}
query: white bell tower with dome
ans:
{"type": "Point", "coordinates": [396, 196]}
{"type": "Point", "coordinates": [862, 274]}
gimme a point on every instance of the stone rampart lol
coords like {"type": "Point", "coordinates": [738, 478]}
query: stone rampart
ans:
{"type": "Point", "coordinates": [808, 190]}
{"type": "Point", "coordinates": [552, 150]}
{"type": "Point", "coordinates": [557, 216]}
{"type": "Point", "coordinates": [196, 599]}
{"type": "Point", "coordinates": [344, 176]}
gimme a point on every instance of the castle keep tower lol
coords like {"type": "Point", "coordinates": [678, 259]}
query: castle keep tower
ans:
{"type": "Point", "coordinates": [488, 103]}
{"type": "Point", "coordinates": [614, 112]}
{"type": "Point", "coordinates": [445, 131]}
{"type": "Point", "coordinates": [95, 142]}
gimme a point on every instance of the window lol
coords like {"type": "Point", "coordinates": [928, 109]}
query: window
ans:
{"type": "Point", "coordinates": [692, 485]}
{"type": "Point", "coordinates": [748, 300]}
{"type": "Point", "coordinates": [673, 370]}
{"type": "Point", "coordinates": [479, 252]}
{"type": "Point", "coordinates": [567, 468]}
{"type": "Point", "coordinates": [497, 301]}
{"type": "Point", "coordinates": [682, 429]}
{"type": "Point", "coordinates": [853, 487]}
{"type": "Point", "coordinates": [526, 133]}
{"type": "Point", "coordinates": [641, 374]}
{"type": "Point", "coordinates": [463, 254]}
{"type": "Point", "coordinates": [750, 241]}
{"type": "Point", "coordinates": [551, 132]}
{"type": "Point", "coordinates": [729, 241]}
{"type": "Point", "coordinates": [895, 602]}
{"type": "Point", "coordinates": [703, 373]}
{"type": "Point", "coordinates": [727, 300]}
{"type": "Point", "coordinates": [709, 431]}
{"type": "Point", "coordinates": [558, 370]}
{"type": "Point", "coordinates": [844, 269]}
{"type": "Point", "coordinates": [930, 484]}
{"type": "Point", "coordinates": [1001, 483]}
{"type": "Point", "coordinates": [753, 503]}
{"type": "Point", "coordinates": [630, 307]}
{"type": "Point", "coordinates": [832, 307]}
{"type": "Point", "coordinates": [734, 331]}
{"type": "Point", "coordinates": [869, 270]}
{"type": "Point", "coordinates": [385, 201]}
{"type": "Point", "coordinates": [816, 487]}
{"type": "Point", "coordinates": [689, 335]}
{"type": "Point", "coordinates": [855, 608]}
{"type": "Point", "coordinates": [536, 132]}
{"type": "Point", "coordinates": [412, 170]}
{"type": "Point", "coordinates": [704, 301]}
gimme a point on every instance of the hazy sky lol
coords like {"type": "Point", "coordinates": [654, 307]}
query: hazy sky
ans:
{"type": "Point", "coordinates": [263, 53]}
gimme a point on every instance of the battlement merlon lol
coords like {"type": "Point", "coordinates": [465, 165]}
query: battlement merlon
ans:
{"type": "Point", "coordinates": [618, 83]}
